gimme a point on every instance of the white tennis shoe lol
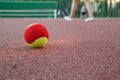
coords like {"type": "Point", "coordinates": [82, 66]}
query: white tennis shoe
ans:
{"type": "Point", "coordinates": [89, 19]}
{"type": "Point", "coordinates": [68, 18]}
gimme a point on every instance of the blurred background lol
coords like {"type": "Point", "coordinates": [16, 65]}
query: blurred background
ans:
{"type": "Point", "coordinates": [102, 8]}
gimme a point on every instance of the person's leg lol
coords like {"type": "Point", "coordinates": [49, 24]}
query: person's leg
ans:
{"type": "Point", "coordinates": [89, 9]}
{"type": "Point", "coordinates": [73, 9]}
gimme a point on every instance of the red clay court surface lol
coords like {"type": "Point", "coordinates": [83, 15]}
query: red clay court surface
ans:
{"type": "Point", "coordinates": [76, 50]}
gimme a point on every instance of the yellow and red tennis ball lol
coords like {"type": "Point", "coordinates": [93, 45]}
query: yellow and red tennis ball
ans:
{"type": "Point", "coordinates": [36, 35]}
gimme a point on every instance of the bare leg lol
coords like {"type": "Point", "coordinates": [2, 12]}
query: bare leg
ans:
{"type": "Point", "coordinates": [73, 8]}
{"type": "Point", "coordinates": [90, 11]}
{"type": "Point", "coordinates": [89, 8]}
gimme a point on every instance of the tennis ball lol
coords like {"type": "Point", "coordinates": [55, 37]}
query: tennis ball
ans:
{"type": "Point", "coordinates": [36, 35]}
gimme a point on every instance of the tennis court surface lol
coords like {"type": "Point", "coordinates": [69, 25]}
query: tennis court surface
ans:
{"type": "Point", "coordinates": [76, 50]}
